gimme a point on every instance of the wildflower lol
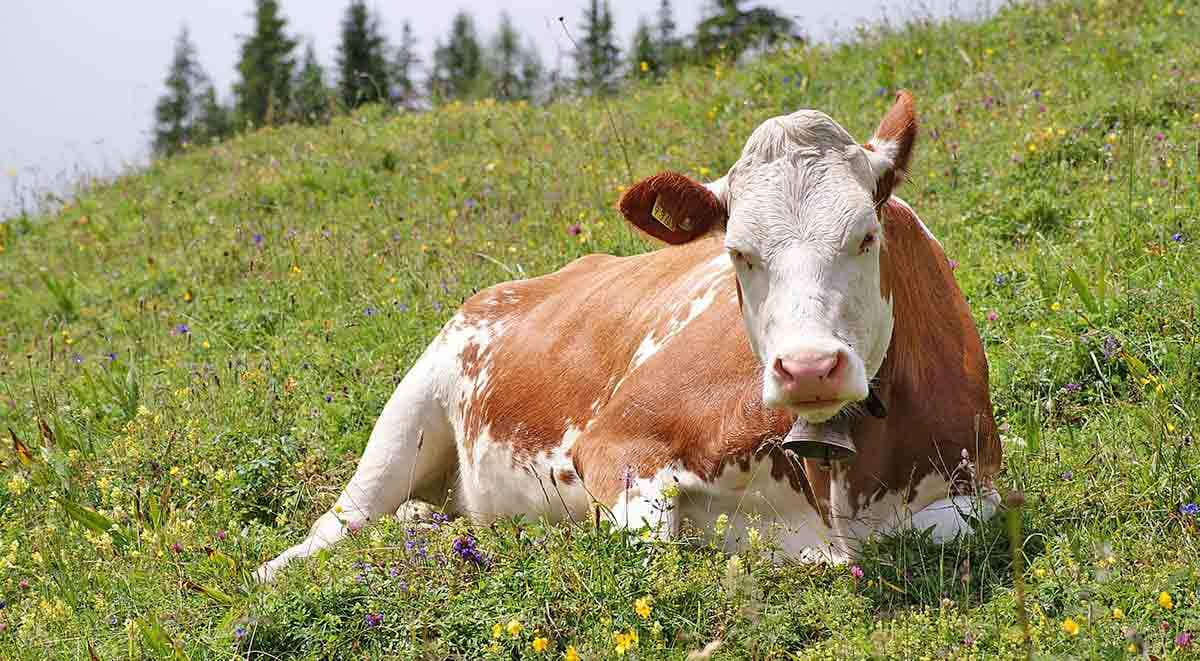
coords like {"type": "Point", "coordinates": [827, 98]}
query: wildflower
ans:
{"type": "Point", "coordinates": [239, 632]}
{"type": "Point", "coordinates": [1110, 347]}
{"type": "Point", "coordinates": [181, 329]}
{"type": "Point", "coordinates": [373, 620]}
{"type": "Point", "coordinates": [856, 571]}
{"type": "Point", "coordinates": [1070, 627]}
{"type": "Point", "coordinates": [574, 229]}
{"type": "Point", "coordinates": [572, 654]}
{"type": "Point", "coordinates": [370, 311]}
{"type": "Point", "coordinates": [77, 359]}
{"type": "Point", "coordinates": [1177, 237]}
{"type": "Point", "coordinates": [177, 548]}
{"type": "Point", "coordinates": [992, 315]}
{"type": "Point", "coordinates": [953, 264]}
{"type": "Point", "coordinates": [112, 356]}
{"type": "Point", "coordinates": [258, 239]}
{"type": "Point", "coordinates": [644, 66]}
{"type": "Point", "coordinates": [464, 548]}
{"type": "Point", "coordinates": [514, 628]}
{"type": "Point", "coordinates": [1159, 136]}
{"type": "Point", "coordinates": [221, 535]}
{"type": "Point", "coordinates": [355, 525]}
{"type": "Point", "coordinates": [497, 629]}
{"type": "Point", "coordinates": [1056, 306]}
{"type": "Point", "coordinates": [721, 524]}
{"type": "Point", "coordinates": [1072, 387]}
{"type": "Point", "coordinates": [1118, 614]}
{"type": "Point", "coordinates": [540, 644]}
{"type": "Point", "coordinates": [642, 606]}
{"type": "Point", "coordinates": [624, 641]}
{"type": "Point", "coordinates": [1184, 639]}
{"type": "Point", "coordinates": [1164, 600]}
{"type": "Point", "coordinates": [1189, 509]}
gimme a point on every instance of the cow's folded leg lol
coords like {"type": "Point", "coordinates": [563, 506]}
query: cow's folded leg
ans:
{"type": "Point", "coordinates": [650, 509]}
{"type": "Point", "coordinates": [950, 517]}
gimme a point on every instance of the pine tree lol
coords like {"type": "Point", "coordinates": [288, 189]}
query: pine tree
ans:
{"type": "Point", "coordinates": [515, 71]}
{"type": "Point", "coordinates": [403, 86]}
{"type": "Point", "coordinates": [734, 30]}
{"type": "Point", "coordinates": [214, 120]}
{"type": "Point", "coordinates": [667, 43]}
{"type": "Point", "coordinates": [457, 65]}
{"type": "Point", "coordinates": [644, 57]}
{"type": "Point", "coordinates": [175, 111]}
{"type": "Point", "coordinates": [362, 58]}
{"type": "Point", "coordinates": [312, 95]}
{"type": "Point", "coordinates": [264, 91]}
{"type": "Point", "coordinates": [597, 57]}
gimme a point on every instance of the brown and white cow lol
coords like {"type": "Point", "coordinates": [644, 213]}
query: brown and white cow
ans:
{"type": "Point", "coordinates": [663, 386]}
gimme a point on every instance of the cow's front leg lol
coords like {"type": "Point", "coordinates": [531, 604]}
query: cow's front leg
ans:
{"type": "Point", "coordinates": [950, 517]}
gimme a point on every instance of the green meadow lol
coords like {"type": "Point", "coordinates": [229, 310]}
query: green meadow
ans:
{"type": "Point", "coordinates": [192, 357]}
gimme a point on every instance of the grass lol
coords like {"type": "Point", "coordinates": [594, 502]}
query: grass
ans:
{"type": "Point", "coordinates": [191, 359]}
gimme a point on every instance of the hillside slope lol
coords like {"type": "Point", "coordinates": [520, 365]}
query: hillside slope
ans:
{"type": "Point", "coordinates": [192, 357]}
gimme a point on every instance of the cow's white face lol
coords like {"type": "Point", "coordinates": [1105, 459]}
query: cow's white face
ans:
{"type": "Point", "coordinates": [803, 233]}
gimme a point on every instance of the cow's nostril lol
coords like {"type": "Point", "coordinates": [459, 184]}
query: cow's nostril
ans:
{"type": "Point", "coordinates": [782, 372]}
{"type": "Point", "coordinates": [837, 361]}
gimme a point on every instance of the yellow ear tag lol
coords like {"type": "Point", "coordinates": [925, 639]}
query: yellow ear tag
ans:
{"type": "Point", "coordinates": [661, 215]}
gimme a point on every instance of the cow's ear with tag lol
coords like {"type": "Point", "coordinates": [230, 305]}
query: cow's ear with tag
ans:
{"type": "Point", "coordinates": [890, 149]}
{"type": "Point", "coordinates": [674, 208]}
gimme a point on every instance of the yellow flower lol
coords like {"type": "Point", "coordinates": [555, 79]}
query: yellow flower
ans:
{"type": "Point", "coordinates": [540, 644]}
{"type": "Point", "coordinates": [645, 66]}
{"type": "Point", "coordinates": [1039, 572]}
{"type": "Point", "coordinates": [1164, 600]}
{"type": "Point", "coordinates": [514, 628]}
{"type": "Point", "coordinates": [497, 629]}
{"type": "Point", "coordinates": [1055, 306]}
{"type": "Point", "coordinates": [572, 654]}
{"type": "Point", "coordinates": [642, 606]}
{"type": "Point", "coordinates": [1118, 614]}
{"type": "Point", "coordinates": [1070, 627]}
{"type": "Point", "coordinates": [624, 641]}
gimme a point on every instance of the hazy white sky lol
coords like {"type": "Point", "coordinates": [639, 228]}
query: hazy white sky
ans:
{"type": "Point", "coordinates": [79, 78]}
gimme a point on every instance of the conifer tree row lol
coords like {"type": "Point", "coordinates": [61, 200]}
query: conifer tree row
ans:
{"type": "Point", "coordinates": [272, 87]}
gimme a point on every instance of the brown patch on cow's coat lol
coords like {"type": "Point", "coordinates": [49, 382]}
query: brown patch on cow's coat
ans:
{"type": "Point", "coordinates": [692, 209]}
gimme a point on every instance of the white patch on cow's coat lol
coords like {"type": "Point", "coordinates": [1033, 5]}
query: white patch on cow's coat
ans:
{"type": "Point", "coordinates": [705, 282]}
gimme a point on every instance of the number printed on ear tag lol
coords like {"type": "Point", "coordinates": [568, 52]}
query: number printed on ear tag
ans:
{"type": "Point", "coordinates": [661, 214]}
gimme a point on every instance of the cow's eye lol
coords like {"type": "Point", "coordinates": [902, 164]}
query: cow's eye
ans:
{"type": "Point", "coordinates": [867, 242]}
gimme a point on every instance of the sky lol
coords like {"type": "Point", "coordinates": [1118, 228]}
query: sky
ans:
{"type": "Point", "coordinates": [79, 79]}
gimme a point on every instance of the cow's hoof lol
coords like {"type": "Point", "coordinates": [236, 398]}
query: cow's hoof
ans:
{"type": "Point", "coordinates": [266, 573]}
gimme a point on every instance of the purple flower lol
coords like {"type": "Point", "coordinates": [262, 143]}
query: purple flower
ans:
{"type": "Point", "coordinates": [328, 398]}
{"type": "Point", "coordinates": [1037, 94]}
{"type": "Point", "coordinates": [402, 307]}
{"type": "Point", "coordinates": [1067, 475]}
{"type": "Point", "coordinates": [1189, 509]}
{"type": "Point", "coordinates": [1159, 136]}
{"type": "Point", "coordinates": [1000, 279]}
{"type": "Point", "coordinates": [370, 311]}
{"type": "Point", "coordinates": [239, 632]}
{"type": "Point", "coordinates": [1072, 387]}
{"type": "Point", "coordinates": [394, 572]}
{"type": "Point", "coordinates": [112, 356]}
{"type": "Point", "coordinates": [470, 203]}
{"type": "Point", "coordinates": [1177, 237]}
{"type": "Point", "coordinates": [1110, 346]}
{"type": "Point", "coordinates": [221, 535]}
{"type": "Point", "coordinates": [373, 620]}
{"type": "Point", "coordinates": [856, 571]}
{"type": "Point", "coordinates": [464, 548]}
{"type": "Point", "coordinates": [177, 548]}
{"type": "Point", "coordinates": [355, 525]}
{"type": "Point", "coordinates": [992, 315]}
{"type": "Point", "coordinates": [258, 239]}
{"type": "Point", "coordinates": [1184, 639]}
{"type": "Point", "coordinates": [574, 229]}
{"type": "Point", "coordinates": [77, 359]}
{"type": "Point", "coordinates": [953, 264]}
{"type": "Point", "coordinates": [181, 329]}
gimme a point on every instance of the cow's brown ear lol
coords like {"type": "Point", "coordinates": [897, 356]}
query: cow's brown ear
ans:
{"type": "Point", "coordinates": [672, 208]}
{"type": "Point", "coordinates": [891, 146]}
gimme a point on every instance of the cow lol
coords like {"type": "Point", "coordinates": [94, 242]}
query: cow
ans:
{"type": "Point", "coordinates": [797, 305]}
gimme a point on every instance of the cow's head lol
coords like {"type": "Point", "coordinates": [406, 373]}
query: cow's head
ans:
{"type": "Point", "coordinates": [800, 216]}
